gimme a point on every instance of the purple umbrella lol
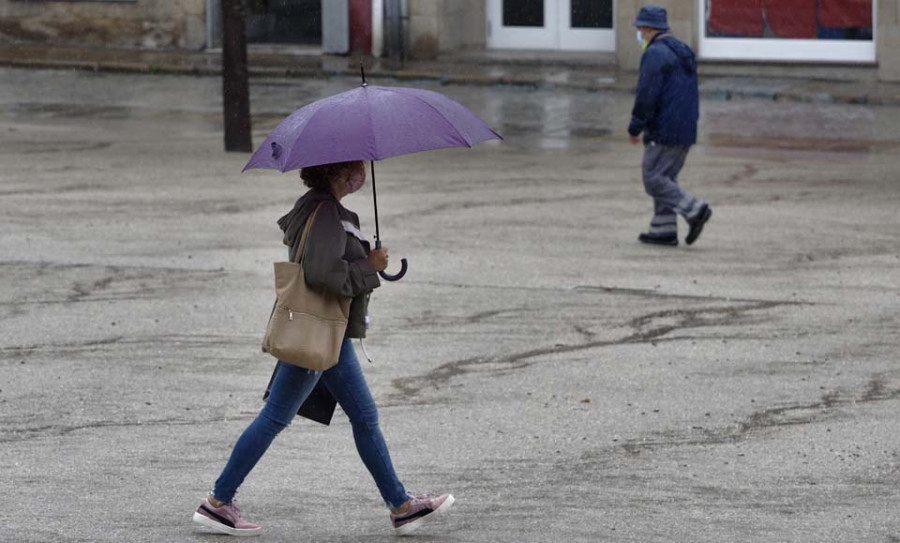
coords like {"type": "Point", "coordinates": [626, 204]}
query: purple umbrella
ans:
{"type": "Point", "coordinates": [369, 123]}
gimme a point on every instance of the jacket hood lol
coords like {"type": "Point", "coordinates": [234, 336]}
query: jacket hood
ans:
{"type": "Point", "coordinates": [683, 52]}
{"type": "Point", "coordinates": [291, 222]}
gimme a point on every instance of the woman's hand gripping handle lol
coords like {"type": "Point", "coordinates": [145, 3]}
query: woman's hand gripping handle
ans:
{"type": "Point", "coordinates": [379, 260]}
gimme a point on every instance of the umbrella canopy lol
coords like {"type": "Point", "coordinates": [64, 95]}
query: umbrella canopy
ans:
{"type": "Point", "coordinates": [369, 123]}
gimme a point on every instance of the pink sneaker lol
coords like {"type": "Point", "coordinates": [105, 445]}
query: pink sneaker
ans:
{"type": "Point", "coordinates": [421, 509]}
{"type": "Point", "coordinates": [227, 519]}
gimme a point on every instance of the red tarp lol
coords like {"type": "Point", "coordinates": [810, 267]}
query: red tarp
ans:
{"type": "Point", "coordinates": [792, 18]}
{"type": "Point", "coordinates": [845, 13]}
{"type": "Point", "coordinates": [736, 17]}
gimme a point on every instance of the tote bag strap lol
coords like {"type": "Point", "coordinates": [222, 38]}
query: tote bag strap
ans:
{"type": "Point", "coordinates": [304, 237]}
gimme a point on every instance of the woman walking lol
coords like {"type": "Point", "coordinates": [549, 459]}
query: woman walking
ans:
{"type": "Point", "coordinates": [337, 259]}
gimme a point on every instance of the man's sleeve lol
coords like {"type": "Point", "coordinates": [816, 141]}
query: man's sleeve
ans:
{"type": "Point", "coordinates": [648, 90]}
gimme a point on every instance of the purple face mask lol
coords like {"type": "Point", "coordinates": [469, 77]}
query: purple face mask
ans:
{"type": "Point", "coordinates": [356, 180]}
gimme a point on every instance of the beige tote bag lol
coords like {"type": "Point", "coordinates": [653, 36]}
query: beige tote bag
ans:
{"type": "Point", "coordinates": [306, 327]}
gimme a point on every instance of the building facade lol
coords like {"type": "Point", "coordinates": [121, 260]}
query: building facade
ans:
{"type": "Point", "coordinates": [864, 32]}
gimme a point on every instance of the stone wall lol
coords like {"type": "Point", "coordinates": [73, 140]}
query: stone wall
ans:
{"type": "Point", "coordinates": [453, 25]}
{"type": "Point", "coordinates": [888, 40]}
{"type": "Point", "coordinates": [475, 24]}
{"type": "Point", "coordinates": [157, 24]}
{"type": "Point", "coordinates": [424, 28]}
{"type": "Point", "coordinates": [441, 26]}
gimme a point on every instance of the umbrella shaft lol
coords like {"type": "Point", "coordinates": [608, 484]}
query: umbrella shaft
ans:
{"type": "Point", "coordinates": [375, 201]}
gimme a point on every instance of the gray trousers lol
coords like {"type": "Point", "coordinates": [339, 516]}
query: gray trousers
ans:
{"type": "Point", "coordinates": [661, 166]}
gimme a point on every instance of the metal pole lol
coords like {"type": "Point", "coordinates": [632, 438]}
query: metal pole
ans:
{"type": "Point", "coordinates": [235, 78]}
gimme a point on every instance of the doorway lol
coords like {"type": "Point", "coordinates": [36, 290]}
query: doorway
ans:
{"type": "Point", "coordinates": [568, 25]}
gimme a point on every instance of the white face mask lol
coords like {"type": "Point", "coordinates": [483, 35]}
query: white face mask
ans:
{"type": "Point", "coordinates": [640, 38]}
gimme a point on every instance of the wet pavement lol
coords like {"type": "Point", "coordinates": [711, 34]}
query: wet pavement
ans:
{"type": "Point", "coordinates": [563, 381]}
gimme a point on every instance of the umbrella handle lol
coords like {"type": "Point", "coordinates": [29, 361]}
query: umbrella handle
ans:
{"type": "Point", "coordinates": [393, 277]}
{"type": "Point", "coordinates": [397, 276]}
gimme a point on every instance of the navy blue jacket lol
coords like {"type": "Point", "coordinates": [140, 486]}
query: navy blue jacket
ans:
{"type": "Point", "coordinates": [667, 104]}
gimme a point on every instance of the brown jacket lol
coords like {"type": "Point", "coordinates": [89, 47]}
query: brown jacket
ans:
{"type": "Point", "coordinates": [335, 255]}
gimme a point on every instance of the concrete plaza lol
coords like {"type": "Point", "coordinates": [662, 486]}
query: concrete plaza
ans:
{"type": "Point", "coordinates": [564, 382]}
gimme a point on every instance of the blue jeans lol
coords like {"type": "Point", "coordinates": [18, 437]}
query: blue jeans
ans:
{"type": "Point", "coordinates": [290, 389]}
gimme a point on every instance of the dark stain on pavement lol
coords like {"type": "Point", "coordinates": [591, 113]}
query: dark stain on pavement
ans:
{"type": "Point", "coordinates": [53, 190]}
{"type": "Point", "coordinates": [748, 172]}
{"type": "Point", "coordinates": [73, 111]}
{"type": "Point", "coordinates": [828, 145]}
{"type": "Point", "coordinates": [64, 147]}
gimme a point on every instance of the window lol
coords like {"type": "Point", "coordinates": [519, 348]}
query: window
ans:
{"type": "Point", "coordinates": [800, 30]}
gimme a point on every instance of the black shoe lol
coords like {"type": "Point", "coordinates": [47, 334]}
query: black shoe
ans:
{"type": "Point", "coordinates": [697, 224]}
{"type": "Point", "coordinates": [671, 241]}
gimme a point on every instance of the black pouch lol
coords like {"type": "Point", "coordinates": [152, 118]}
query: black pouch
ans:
{"type": "Point", "coordinates": [319, 405]}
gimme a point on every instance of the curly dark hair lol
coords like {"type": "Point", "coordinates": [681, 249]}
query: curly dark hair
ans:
{"type": "Point", "coordinates": [320, 177]}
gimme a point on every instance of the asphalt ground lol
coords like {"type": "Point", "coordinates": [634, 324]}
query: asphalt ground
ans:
{"type": "Point", "coordinates": [564, 382]}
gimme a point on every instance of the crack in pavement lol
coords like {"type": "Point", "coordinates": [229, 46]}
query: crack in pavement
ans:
{"type": "Point", "coordinates": [106, 283]}
{"type": "Point", "coordinates": [788, 415]}
{"type": "Point", "coordinates": [747, 172]}
{"type": "Point", "coordinates": [601, 289]}
{"type": "Point", "coordinates": [584, 332]}
{"type": "Point", "coordinates": [83, 291]}
{"type": "Point", "coordinates": [645, 332]}
{"type": "Point", "coordinates": [61, 431]}
{"type": "Point", "coordinates": [650, 293]}
{"type": "Point", "coordinates": [430, 319]}
{"type": "Point", "coordinates": [184, 340]}
{"type": "Point", "coordinates": [876, 390]}
{"type": "Point", "coordinates": [18, 351]}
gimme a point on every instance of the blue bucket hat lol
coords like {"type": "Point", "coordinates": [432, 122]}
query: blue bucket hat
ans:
{"type": "Point", "coordinates": [652, 17]}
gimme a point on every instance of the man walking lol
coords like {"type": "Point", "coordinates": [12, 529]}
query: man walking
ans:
{"type": "Point", "coordinates": [666, 110]}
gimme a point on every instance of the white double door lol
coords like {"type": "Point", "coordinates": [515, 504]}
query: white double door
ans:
{"type": "Point", "coordinates": [572, 25]}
